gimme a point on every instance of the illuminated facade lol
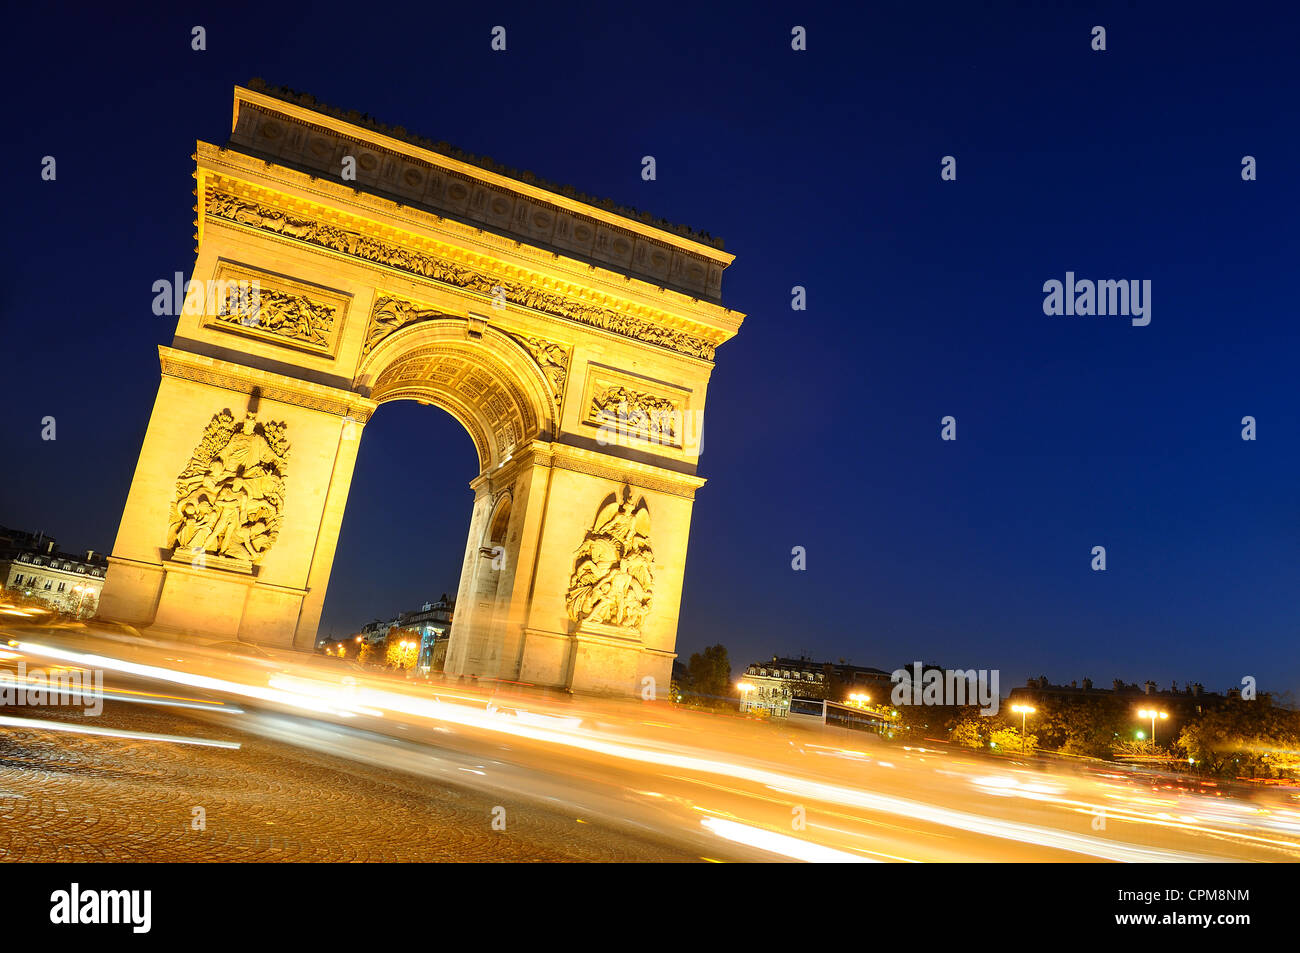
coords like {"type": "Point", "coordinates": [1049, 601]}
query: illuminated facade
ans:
{"type": "Point", "coordinates": [31, 564]}
{"type": "Point", "coordinates": [771, 685]}
{"type": "Point", "coordinates": [527, 314]}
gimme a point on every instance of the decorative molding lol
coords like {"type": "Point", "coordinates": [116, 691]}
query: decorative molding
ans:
{"type": "Point", "coordinates": [624, 472]}
{"type": "Point", "coordinates": [245, 380]}
{"type": "Point", "coordinates": [228, 207]}
{"type": "Point", "coordinates": [618, 475]}
{"type": "Point", "coordinates": [353, 118]}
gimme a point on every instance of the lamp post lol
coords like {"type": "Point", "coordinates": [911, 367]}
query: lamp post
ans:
{"type": "Point", "coordinates": [1153, 715]}
{"type": "Point", "coordinates": [745, 689]}
{"type": "Point", "coordinates": [81, 603]}
{"type": "Point", "coordinates": [1025, 711]}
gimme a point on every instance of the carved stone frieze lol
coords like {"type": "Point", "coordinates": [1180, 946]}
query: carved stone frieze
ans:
{"type": "Point", "coordinates": [389, 314]}
{"type": "Point", "coordinates": [640, 414]}
{"type": "Point", "coordinates": [350, 242]}
{"type": "Point", "coordinates": [294, 317]}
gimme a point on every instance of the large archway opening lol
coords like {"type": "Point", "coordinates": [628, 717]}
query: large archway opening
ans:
{"type": "Point", "coordinates": [489, 384]}
{"type": "Point", "coordinates": [400, 545]}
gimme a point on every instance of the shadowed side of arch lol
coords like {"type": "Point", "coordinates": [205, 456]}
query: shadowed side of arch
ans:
{"type": "Point", "coordinates": [489, 383]}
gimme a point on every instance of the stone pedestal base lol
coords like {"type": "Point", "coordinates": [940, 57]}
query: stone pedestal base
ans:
{"type": "Point", "coordinates": [605, 659]}
{"type": "Point", "coordinates": [593, 659]}
{"type": "Point", "coordinates": [200, 601]}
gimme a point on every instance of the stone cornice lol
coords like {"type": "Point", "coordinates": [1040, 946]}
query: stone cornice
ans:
{"type": "Point", "coordinates": [646, 476]}
{"type": "Point", "coordinates": [245, 380]}
{"type": "Point", "coordinates": [427, 258]}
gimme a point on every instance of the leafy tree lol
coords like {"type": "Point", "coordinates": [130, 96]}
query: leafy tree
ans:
{"type": "Point", "coordinates": [968, 733]}
{"type": "Point", "coordinates": [399, 653]}
{"type": "Point", "coordinates": [938, 722]}
{"type": "Point", "coordinates": [1253, 739]}
{"type": "Point", "coordinates": [1137, 748]}
{"type": "Point", "coordinates": [709, 673]}
{"type": "Point", "coordinates": [1007, 739]}
{"type": "Point", "coordinates": [1083, 725]}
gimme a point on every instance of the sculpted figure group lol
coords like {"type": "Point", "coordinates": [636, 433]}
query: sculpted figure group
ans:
{"type": "Point", "coordinates": [293, 316]}
{"type": "Point", "coordinates": [644, 415]}
{"type": "Point", "coordinates": [230, 497]}
{"type": "Point", "coordinates": [613, 574]}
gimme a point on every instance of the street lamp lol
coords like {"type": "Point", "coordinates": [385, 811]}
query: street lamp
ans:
{"type": "Point", "coordinates": [1024, 710]}
{"type": "Point", "coordinates": [745, 688]}
{"type": "Point", "coordinates": [85, 591]}
{"type": "Point", "coordinates": [1153, 715]}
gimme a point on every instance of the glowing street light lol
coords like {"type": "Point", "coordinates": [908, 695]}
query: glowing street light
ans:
{"type": "Point", "coordinates": [744, 688]}
{"type": "Point", "coordinates": [405, 645]}
{"type": "Point", "coordinates": [1025, 711]}
{"type": "Point", "coordinates": [1153, 715]}
{"type": "Point", "coordinates": [85, 591]}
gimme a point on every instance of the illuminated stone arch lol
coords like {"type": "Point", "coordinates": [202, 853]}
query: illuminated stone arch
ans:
{"type": "Point", "coordinates": [527, 314]}
{"type": "Point", "coordinates": [489, 383]}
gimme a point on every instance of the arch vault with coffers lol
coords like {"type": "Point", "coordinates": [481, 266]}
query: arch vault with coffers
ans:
{"type": "Point", "coordinates": [573, 341]}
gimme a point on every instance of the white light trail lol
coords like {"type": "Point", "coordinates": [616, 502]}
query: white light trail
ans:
{"type": "Point", "coordinates": [782, 844]}
{"type": "Point", "coordinates": [40, 724]}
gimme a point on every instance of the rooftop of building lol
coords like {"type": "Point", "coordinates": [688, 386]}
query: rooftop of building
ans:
{"type": "Point", "coordinates": [806, 664]}
{"type": "Point", "coordinates": [40, 549]}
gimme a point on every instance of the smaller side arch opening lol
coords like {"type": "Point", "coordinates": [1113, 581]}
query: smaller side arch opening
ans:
{"type": "Point", "coordinates": [500, 522]}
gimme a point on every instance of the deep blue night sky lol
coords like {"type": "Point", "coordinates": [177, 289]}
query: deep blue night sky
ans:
{"type": "Point", "coordinates": [819, 168]}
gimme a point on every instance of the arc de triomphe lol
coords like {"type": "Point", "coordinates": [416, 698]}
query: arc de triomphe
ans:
{"type": "Point", "coordinates": [340, 267]}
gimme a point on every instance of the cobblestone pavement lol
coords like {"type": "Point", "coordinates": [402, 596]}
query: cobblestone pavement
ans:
{"type": "Point", "coordinates": [68, 797]}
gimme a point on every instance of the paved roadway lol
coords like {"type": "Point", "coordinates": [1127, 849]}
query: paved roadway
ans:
{"type": "Point", "coordinates": [66, 797]}
{"type": "Point", "coordinates": [335, 764]}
